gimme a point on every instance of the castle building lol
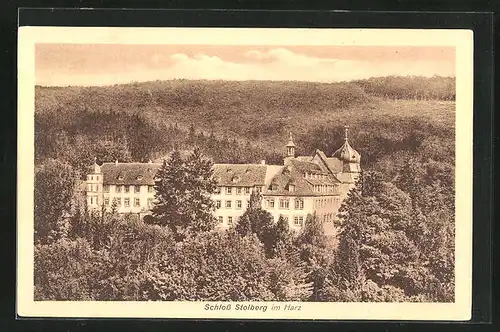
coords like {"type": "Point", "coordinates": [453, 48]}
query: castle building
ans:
{"type": "Point", "coordinates": [302, 185]}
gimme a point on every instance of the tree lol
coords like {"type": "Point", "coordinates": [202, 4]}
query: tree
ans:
{"type": "Point", "coordinates": [210, 266]}
{"type": "Point", "coordinates": [53, 193]}
{"type": "Point", "coordinates": [183, 190]}
{"type": "Point", "coordinates": [283, 238]}
{"type": "Point", "coordinates": [258, 221]}
{"type": "Point", "coordinates": [410, 177]}
{"type": "Point", "coordinates": [315, 252]}
{"type": "Point", "coordinates": [376, 242]}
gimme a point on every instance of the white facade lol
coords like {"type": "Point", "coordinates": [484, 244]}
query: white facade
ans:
{"type": "Point", "coordinates": [303, 185]}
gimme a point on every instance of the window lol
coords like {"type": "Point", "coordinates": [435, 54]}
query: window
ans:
{"type": "Point", "coordinates": [298, 220]}
{"type": "Point", "coordinates": [247, 190]}
{"type": "Point", "coordinates": [217, 204]}
{"type": "Point", "coordinates": [118, 189]}
{"type": "Point", "coordinates": [285, 218]}
{"type": "Point", "coordinates": [221, 219]}
{"type": "Point", "coordinates": [228, 204]}
{"type": "Point", "coordinates": [284, 203]}
{"type": "Point", "coordinates": [97, 177]}
{"type": "Point", "coordinates": [238, 191]}
{"type": "Point", "coordinates": [89, 187]}
{"type": "Point", "coordinates": [150, 202]}
{"type": "Point", "coordinates": [126, 201]}
{"type": "Point", "coordinates": [259, 189]}
{"type": "Point", "coordinates": [106, 188]}
{"type": "Point", "coordinates": [150, 189]}
{"type": "Point", "coordinates": [137, 202]}
{"type": "Point", "coordinates": [229, 220]}
{"type": "Point", "coordinates": [299, 204]}
{"type": "Point", "coordinates": [270, 203]}
{"type": "Point", "coordinates": [137, 189]}
{"type": "Point", "coordinates": [217, 190]}
{"type": "Point", "coordinates": [106, 201]}
{"type": "Point", "coordinates": [126, 189]}
{"type": "Point", "coordinates": [117, 201]}
{"type": "Point", "coordinates": [238, 204]}
{"type": "Point", "coordinates": [229, 190]}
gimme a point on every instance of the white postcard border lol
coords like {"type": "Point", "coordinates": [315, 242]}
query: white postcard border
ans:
{"type": "Point", "coordinates": [461, 39]}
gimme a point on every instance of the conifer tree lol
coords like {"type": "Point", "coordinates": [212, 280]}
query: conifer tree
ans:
{"type": "Point", "coordinates": [183, 189]}
{"type": "Point", "coordinates": [258, 221]}
{"type": "Point", "coordinates": [282, 237]}
{"type": "Point", "coordinates": [54, 191]}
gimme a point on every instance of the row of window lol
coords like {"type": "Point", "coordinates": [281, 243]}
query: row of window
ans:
{"type": "Point", "coordinates": [93, 177]}
{"type": "Point", "coordinates": [322, 202]}
{"type": "Point", "coordinates": [324, 188]}
{"type": "Point", "coordinates": [229, 220]}
{"type": "Point", "coordinates": [237, 190]}
{"type": "Point", "coordinates": [229, 204]}
{"type": "Point", "coordinates": [126, 202]}
{"type": "Point", "coordinates": [126, 189]}
{"type": "Point", "coordinates": [328, 217]}
{"type": "Point", "coordinates": [315, 176]}
{"type": "Point", "coordinates": [297, 220]}
{"type": "Point", "coordinates": [284, 203]}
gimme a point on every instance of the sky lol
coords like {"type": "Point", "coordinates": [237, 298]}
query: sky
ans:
{"type": "Point", "coordinates": [108, 64]}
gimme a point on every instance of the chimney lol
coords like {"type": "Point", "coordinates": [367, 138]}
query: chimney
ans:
{"type": "Point", "coordinates": [116, 162]}
{"type": "Point", "coordinates": [149, 161]}
{"type": "Point", "coordinates": [262, 162]}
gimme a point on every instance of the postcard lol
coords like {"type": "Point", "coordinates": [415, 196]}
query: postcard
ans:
{"type": "Point", "coordinates": [245, 173]}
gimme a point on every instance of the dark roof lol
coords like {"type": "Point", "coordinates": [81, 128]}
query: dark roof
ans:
{"type": "Point", "coordinates": [129, 173]}
{"type": "Point", "coordinates": [279, 185]}
{"type": "Point", "coordinates": [242, 175]}
{"type": "Point", "coordinates": [347, 153]}
{"type": "Point", "coordinates": [306, 167]}
{"type": "Point", "coordinates": [334, 164]}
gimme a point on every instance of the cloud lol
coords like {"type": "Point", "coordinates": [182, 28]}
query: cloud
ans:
{"type": "Point", "coordinates": [274, 64]}
{"type": "Point", "coordinates": [283, 56]}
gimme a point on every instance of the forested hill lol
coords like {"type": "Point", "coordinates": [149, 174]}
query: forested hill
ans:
{"type": "Point", "coordinates": [246, 121]}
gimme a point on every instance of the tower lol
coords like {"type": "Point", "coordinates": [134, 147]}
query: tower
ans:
{"type": "Point", "coordinates": [290, 149]}
{"type": "Point", "coordinates": [94, 186]}
{"type": "Point", "coordinates": [349, 157]}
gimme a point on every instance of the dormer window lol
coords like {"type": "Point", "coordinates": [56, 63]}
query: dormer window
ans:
{"type": "Point", "coordinates": [120, 177]}
{"type": "Point", "coordinates": [139, 177]}
{"type": "Point", "coordinates": [236, 179]}
{"type": "Point", "coordinates": [291, 188]}
{"type": "Point", "coordinates": [229, 169]}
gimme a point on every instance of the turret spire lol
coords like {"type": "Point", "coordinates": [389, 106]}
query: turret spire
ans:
{"type": "Point", "coordinates": [346, 131]}
{"type": "Point", "coordinates": [290, 147]}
